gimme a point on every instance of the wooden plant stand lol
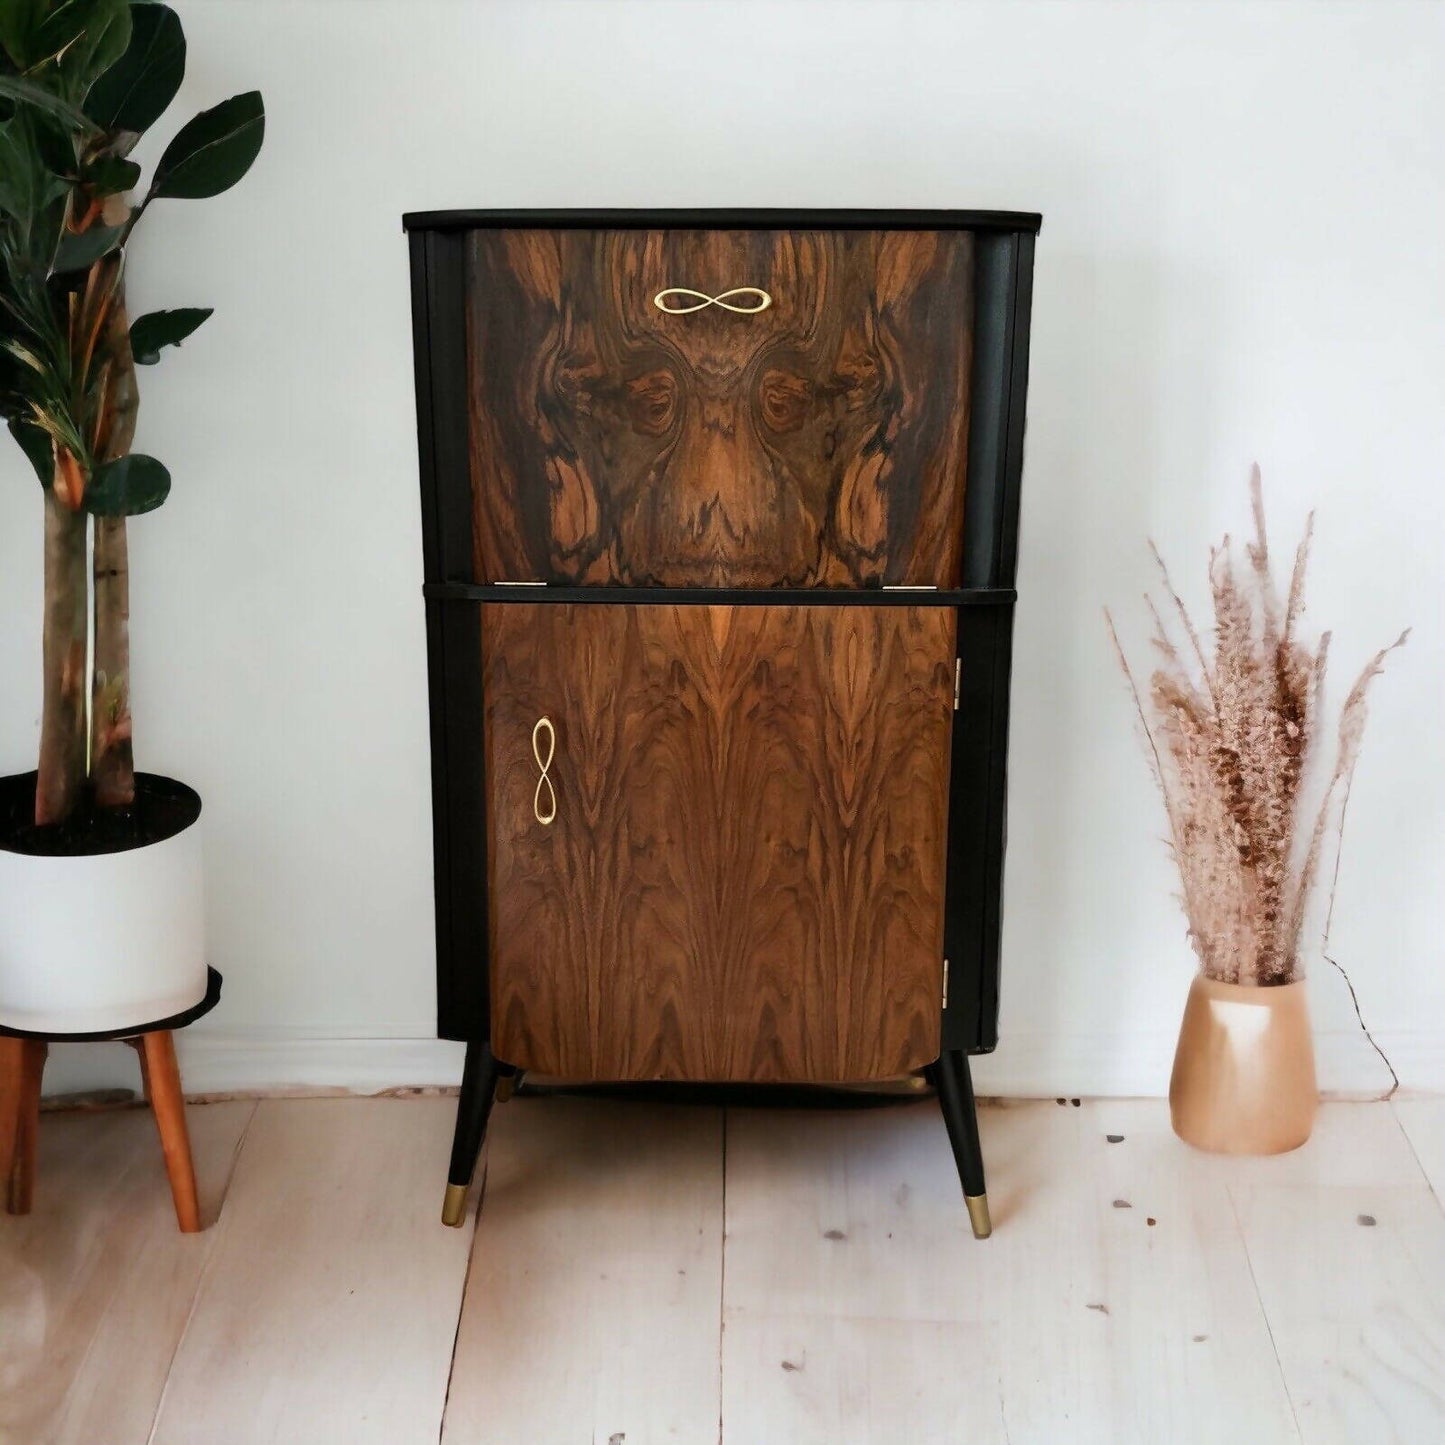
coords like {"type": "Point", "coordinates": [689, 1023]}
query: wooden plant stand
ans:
{"type": "Point", "coordinates": [22, 1063]}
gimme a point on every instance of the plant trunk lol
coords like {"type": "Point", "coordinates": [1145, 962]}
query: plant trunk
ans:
{"type": "Point", "coordinates": [112, 765]}
{"type": "Point", "coordinates": [112, 760]}
{"type": "Point", "coordinates": [62, 722]}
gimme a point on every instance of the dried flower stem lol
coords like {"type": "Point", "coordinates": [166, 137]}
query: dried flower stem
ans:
{"type": "Point", "coordinates": [1233, 751]}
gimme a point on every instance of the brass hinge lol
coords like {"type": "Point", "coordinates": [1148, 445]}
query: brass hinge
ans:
{"type": "Point", "coordinates": [957, 680]}
{"type": "Point", "coordinates": [945, 983]}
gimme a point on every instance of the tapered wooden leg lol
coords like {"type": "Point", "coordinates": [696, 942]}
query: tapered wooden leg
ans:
{"type": "Point", "coordinates": [508, 1083]}
{"type": "Point", "coordinates": [480, 1075]}
{"type": "Point", "coordinates": [168, 1104]}
{"type": "Point", "coordinates": [960, 1114]}
{"type": "Point", "coordinates": [22, 1066]}
{"type": "Point", "coordinates": [138, 1044]}
{"type": "Point", "coordinates": [11, 1068]}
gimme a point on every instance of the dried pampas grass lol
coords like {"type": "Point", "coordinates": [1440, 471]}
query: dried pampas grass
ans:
{"type": "Point", "coordinates": [1238, 751]}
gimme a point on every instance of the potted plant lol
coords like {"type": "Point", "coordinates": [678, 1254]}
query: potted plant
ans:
{"type": "Point", "coordinates": [1241, 754]}
{"type": "Point", "coordinates": [100, 872]}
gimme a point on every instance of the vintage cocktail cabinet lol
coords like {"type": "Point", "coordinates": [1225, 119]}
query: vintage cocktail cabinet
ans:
{"type": "Point", "coordinates": [719, 512]}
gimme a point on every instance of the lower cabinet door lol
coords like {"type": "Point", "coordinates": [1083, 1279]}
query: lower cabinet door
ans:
{"type": "Point", "coordinates": [716, 838]}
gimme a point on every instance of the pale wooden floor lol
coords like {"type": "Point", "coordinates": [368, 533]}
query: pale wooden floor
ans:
{"type": "Point", "coordinates": [643, 1274]}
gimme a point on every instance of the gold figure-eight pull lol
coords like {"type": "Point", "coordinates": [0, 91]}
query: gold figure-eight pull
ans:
{"type": "Point", "coordinates": [700, 299]}
{"type": "Point", "coordinates": [544, 763]}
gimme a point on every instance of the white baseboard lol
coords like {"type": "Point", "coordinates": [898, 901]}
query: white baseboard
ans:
{"type": "Point", "coordinates": [238, 1063]}
{"type": "Point", "coordinates": [1132, 1066]}
{"type": "Point", "coordinates": [269, 1061]}
{"type": "Point", "coordinates": [1024, 1066]}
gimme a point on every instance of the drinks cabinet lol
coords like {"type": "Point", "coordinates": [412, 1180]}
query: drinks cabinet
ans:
{"type": "Point", "coordinates": [719, 516]}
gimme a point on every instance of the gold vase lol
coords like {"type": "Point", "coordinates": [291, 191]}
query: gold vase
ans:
{"type": "Point", "coordinates": [1244, 1071]}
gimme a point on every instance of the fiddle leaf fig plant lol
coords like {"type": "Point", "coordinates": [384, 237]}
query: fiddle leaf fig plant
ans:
{"type": "Point", "coordinates": [80, 82]}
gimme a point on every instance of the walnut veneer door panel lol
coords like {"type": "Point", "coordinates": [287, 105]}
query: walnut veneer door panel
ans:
{"type": "Point", "coordinates": [745, 875]}
{"type": "Point", "coordinates": [821, 441]}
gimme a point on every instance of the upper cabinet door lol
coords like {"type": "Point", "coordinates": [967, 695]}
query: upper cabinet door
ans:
{"type": "Point", "coordinates": [719, 408]}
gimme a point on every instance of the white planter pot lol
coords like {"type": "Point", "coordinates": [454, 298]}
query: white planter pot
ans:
{"type": "Point", "coordinates": [107, 941]}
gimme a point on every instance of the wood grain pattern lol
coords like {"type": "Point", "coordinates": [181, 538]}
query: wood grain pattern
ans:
{"type": "Point", "coordinates": [857, 1307]}
{"type": "Point", "coordinates": [745, 877]}
{"type": "Point", "coordinates": [1349, 1277]}
{"type": "Point", "coordinates": [822, 441]}
{"type": "Point", "coordinates": [162, 1078]}
{"type": "Point", "coordinates": [1423, 1122]}
{"type": "Point", "coordinates": [97, 1284]}
{"type": "Point", "coordinates": [330, 1305]}
{"type": "Point", "coordinates": [604, 1328]}
{"type": "Point", "coordinates": [22, 1065]}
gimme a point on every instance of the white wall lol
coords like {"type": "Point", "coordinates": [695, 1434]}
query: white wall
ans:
{"type": "Point", "coordinates": [1241, 258]}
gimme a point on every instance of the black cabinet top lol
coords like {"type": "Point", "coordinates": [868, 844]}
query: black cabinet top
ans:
{"type": "Point", "coordinates": [724, 218]}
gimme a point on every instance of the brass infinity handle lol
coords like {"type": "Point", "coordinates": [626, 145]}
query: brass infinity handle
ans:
{"type": "Point", "coordinates": [544, 764]}
{"type": "Point", "coordinates": [700, 299]}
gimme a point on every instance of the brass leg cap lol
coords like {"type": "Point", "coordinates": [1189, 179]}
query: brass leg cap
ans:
{"type": "Point", "coordinates": [506, 1087]}
{"type": "Point", "coordinates": [978, 1215]}
{"type": "Point", "coordinates": [454, 1206]}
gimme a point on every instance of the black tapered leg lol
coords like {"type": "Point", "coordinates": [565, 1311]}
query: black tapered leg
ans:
{"type": "Point", "coordinates": [480, 1074]}
{"type": "Point", "coordinates": [960, 1114]}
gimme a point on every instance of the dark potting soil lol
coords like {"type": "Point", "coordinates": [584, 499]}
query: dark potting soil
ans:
{"type": "Point", "coordinates": [162, 808]}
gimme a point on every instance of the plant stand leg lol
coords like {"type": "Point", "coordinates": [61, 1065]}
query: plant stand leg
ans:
{"type": "Point", "coordinates": [480, 1076]}
{"type": "Point", "coordinates": [168, 1104]}
{"type": "Point", "coordinates": [138, 1044]}
{"type": "Point", "coordinates": [960, 1114]}
{"type": "Point", "coordinates": [11, 1066]}
{"type": "Point", "coordinates": [22, 1065]}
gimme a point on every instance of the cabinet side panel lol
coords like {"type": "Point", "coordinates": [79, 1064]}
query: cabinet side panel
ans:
{"type": "Point", "coordinates": [454, 681]}
{"type": "Point", "coordinates": [976, 828]}
{"type": "Point", "coordinates": [745, 876]}
{"type": "Point", "coordinates": [820, 441]}
{"type": "Point", "coordinates": [978, 820]}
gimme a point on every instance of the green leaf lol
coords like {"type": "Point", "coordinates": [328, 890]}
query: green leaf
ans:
{"type": "Point", "coordinates": [131, 95]}
{"type": "Point", "coordinates": [28, 93]}
{"type": "Point", "coordinates": [148, 334]}
{"type": "Point", "coordinates": [26, 186]}
{"type": "Point", "coordinates": [36, 446]}
{"type": "Point", "coordinates": [54, 142]}
{"type": "Point", "coordinates": [109, 175]}
{"type": "Point", "coordinates": [40, 32]}
{"type": "Point", "coordinates": [213, 151]}
{"type": "Point", "coordinates": [104, 39]}
{"type": "Point", "coordinates": [79, 250]}
{"type": "Point", "coordinates": [127, 486]}
{"type": "Point", "coordinates": [17, 18]}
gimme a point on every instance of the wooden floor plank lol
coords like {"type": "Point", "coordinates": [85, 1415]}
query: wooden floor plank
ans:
{"type": "Point", "coordinates": [1354, 1306]}
{"type": "Point", "coordinates": [97, 1282]}
{"type": "Point", "coordinates": [592, 1306]}
{"type": "Point", "coordinates": [1423, 1121]}
{"type": "Point", "coordinates": [803, 1380]}
{"type": "Point", "coordinates": [1114, 1301]}
{"type": "Point", "coordinates": [331, 1302]}
{"type": "Point", "coordinates": [1268, 1299]}
{"type": "Point", "coordinates": [1351, 1279]}
{"type": "Point", "coordinates": [1353, 1143]}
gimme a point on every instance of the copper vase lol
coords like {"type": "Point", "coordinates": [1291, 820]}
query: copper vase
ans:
{"type": "Point", "coordinates": [1244, 1071]}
